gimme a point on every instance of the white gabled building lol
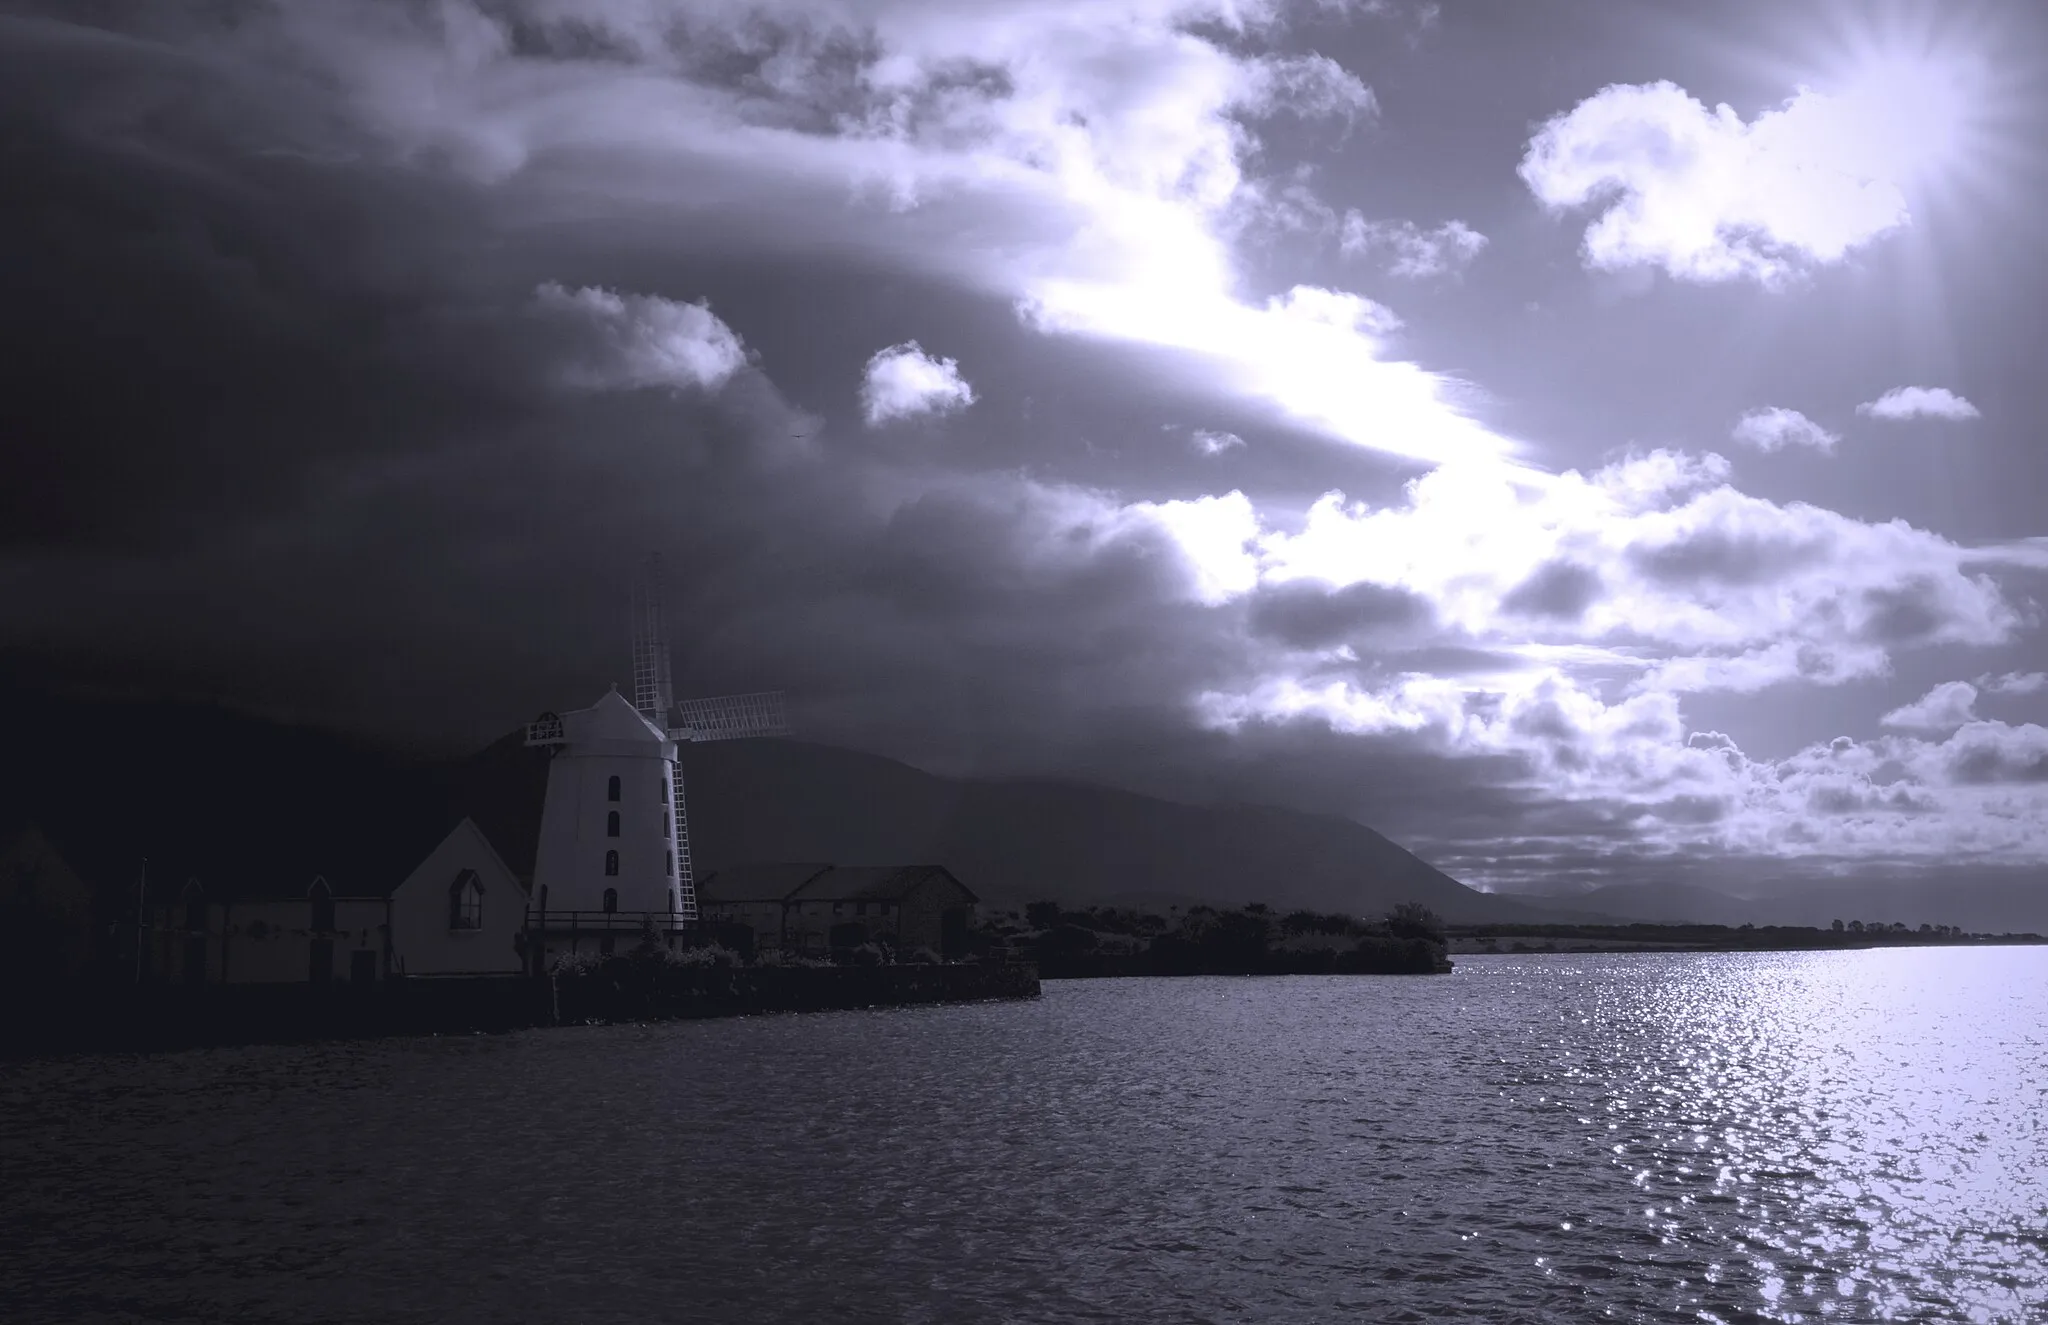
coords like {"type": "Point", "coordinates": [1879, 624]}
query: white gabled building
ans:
{"type": "Point", "coordinates": [461, 912]}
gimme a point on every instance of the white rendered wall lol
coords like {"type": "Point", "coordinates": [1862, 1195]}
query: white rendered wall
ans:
{"type": "Point", "coordinates": [422, 942]}
{"type": "Point", "coordinates": [569, 862]}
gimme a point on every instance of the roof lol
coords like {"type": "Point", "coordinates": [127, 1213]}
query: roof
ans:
{"type": "Point", "coordinates": [612, 718]}
{"type": "Point", "coordinates": [847, 883]}
{"type": "Point", "coordinates": [756, 883]}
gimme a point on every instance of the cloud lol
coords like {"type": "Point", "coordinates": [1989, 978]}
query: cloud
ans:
{"type": "Point", "coordinates": [2014, 683]}
{"type": "Point", "coordinates": [1773, 428]}
{"type": "Point", "coordinates": [633, 341]}
{"type": "Point", "coordinates": [1345, 312]}
{"type": "Point", "coordinates": [1948, 706]}
{"type": "Point", "coordinates": [1707, 197]}
{"type": "Point", "coordinates": [903, 382]}
{"type": "Point", "coordinates": [1407, 249]}
{"type": "Point", "coordinates": [1214, 443]}
{"type": "Point", "coordinates": [1916, 402]}
{"type": "Point", "coordinates": [1313, 87]}
{"type": "Point", "coordinates": [1305, 615]}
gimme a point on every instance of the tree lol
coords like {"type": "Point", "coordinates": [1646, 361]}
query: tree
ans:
{"type": "Point", "coordinates": [1413, 920]}
{"type": "Point", "coordinates": [1838, 927]}
{"type": "Point", "coordinates": [1042, 915]}
{"type": "Point", "coordinates": [1855, 926]}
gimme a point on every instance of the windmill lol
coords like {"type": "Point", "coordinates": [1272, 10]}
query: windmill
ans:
{"type": "Point", "coordinates": [721, 718]}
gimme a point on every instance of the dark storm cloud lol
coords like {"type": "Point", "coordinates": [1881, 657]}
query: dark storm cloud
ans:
{"type": "Point", "coordinates": [1727, 556]}
{"type": "Point", "coordinates": [1309, 615]}
{"type": "Point", "coordinates": [1558, 589]}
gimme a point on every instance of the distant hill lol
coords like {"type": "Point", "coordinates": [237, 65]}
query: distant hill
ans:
{"type": "Point", "coordinates": [202, 791]}
{"type": "Point", "coordinates": [1985, 901]}
{"type": "Point", "coordinates": [1669, 904]}
{"type": "Point", "coordinates": [242, 802]}
{"type": "Point", "coordinates": [1017, 840]}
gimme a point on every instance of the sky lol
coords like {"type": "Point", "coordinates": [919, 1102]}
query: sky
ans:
{"type": "Point", "coordinates": [1588, 442]}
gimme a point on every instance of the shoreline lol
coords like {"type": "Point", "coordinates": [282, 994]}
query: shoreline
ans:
{"type": "Point", "coordinates": [156, 1019]}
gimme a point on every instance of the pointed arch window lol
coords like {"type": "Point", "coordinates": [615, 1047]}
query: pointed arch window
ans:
{"type": "Point", "coordinates": [321, 903]}
{"type": "Point", "coordinates": [466, 901]}
{"type": "Point", "coordinates": [611, 824]}
{"type": "Point", "coordinates": [611, 790]}
{"type": "Point", "coordinates": [611, 864]}
{"type": "Point", "coordinates": [611, 901]}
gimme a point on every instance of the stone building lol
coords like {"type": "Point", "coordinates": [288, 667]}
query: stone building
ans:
{"type": "Point", "coordinates": [813, 909]}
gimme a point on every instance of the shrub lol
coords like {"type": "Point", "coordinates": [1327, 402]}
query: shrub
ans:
{"type": "Point", "coordinates": [713, 955]}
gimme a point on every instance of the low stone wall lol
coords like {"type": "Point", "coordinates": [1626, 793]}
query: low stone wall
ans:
{"type": "Point", "coordinates": [628, 990]}
{"type": "Point", "coordinates": [149, 1018]}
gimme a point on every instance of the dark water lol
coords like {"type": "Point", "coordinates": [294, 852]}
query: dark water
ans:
{"type": "Point", "coordinates": [1831, 1136]}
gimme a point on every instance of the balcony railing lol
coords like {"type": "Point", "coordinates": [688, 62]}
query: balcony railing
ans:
{"type": "Point", "coordinates": [605, 922]}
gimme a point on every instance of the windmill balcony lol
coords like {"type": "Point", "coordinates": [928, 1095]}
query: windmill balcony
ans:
{"type": "Point", "coordinates": [606, 922]}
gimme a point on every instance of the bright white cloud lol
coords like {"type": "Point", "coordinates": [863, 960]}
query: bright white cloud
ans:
{"type": "Point", "coordinates": [1946, 707]}
{"type": "Point", "coordinates": [1918, 402]}
{"type": "Point", "coordinates": [1408, 250]}
{"type": "Point", "coordinates": [2014, 683]}
{"type": "Point", "coordinates": [1773, 428]}
{"type": "Point", "coordinates": [1707, 197]}
{"type": "Point", "coordinates": [628, 341]}
{"type": "Point", "coordinates": [1215, 535]}
{"type": "Point", "coordinates": [903, 382]}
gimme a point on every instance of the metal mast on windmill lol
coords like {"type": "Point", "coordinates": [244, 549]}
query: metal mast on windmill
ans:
{"type": "Point", "coordinates": [723, 718]}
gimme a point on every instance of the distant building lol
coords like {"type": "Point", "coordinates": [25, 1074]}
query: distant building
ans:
{"type": "Point", "coordinates": [812, 909]}
{"type": "Point", "coordinates": [456, 911]}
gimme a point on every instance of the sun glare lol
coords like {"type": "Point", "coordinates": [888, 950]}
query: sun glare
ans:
{"type": "Point", "coordinates": [1923, 96]}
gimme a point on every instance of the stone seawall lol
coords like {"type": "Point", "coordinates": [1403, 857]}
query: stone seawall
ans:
{"type": "Point", "coordinates": [631, 991]}
{"type": "Point", "coordinates": [153, 1018]}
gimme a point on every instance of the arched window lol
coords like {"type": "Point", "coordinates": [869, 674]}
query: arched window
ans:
{"type": "Point", "coordinates": [664, 789]}
{"type": "Point", "coordinates": [611, 792]}
{"type": "Point", "coordinates": [672, 900]}
{"type": "Point", "coordinates": [611, 824]}
{"type": "Point", "coordinates": [466, 901]}
{"type": "Point", "coordinates": [671, 862]}
{"type": "Point", "coordinates": [611, 864]}
{"type": "Point", "coordinates": [322, 898]}
{"type": "Point", "coordinates": [611, 900]}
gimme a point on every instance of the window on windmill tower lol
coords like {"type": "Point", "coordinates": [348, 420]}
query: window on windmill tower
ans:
{"type": "Point", "coordinates": [611, 792]}
{"type": "Point", "coordinates": [611, 864]}
{"type": "Point", "coordinates": [611, 824]}
{"type": "Point", "coordinates": [671, 859]}
{"type": "Point", "coordinates": [611, 900]}
{"type": "Point", "coordinates": [466, 901]}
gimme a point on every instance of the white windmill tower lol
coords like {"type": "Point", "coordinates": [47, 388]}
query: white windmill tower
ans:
{"type": "Point", "coordinates": [614, 844]}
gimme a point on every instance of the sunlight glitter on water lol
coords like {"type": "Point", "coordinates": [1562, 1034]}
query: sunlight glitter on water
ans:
{"type": "Point", "coordinates": [1839, 1137]}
